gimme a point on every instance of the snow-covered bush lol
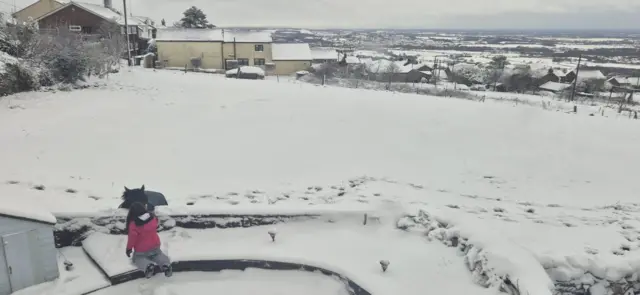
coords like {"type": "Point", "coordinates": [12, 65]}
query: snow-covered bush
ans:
{"type": "Point", "coordinates": [18, 77]}
{"type": "Point", "coordinates": [68, 65]}
{"type": "Point", "coordinates": [63, 57]}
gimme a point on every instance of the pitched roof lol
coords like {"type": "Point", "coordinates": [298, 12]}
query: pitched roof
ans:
{"type": "Point", "coordinates": [105, 13]}
{"type": "Point", "coordinates": [196, 35]}
{"type": "Point", "coordinates": [588, 74]}
{"type": "Point", "coordinates": [247, 36]}
{"type": "Point", "coordinates": [291, 51]}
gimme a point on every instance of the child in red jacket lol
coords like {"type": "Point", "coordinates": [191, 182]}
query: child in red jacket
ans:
{"type": "Point", "coordinates": [143, 238]}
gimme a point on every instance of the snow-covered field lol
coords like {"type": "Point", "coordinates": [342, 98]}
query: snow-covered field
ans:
{"type": "Point", "coordinates": [540, 195]}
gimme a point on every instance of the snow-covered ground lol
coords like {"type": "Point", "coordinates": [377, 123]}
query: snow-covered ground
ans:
{"type": "Point", "coordinates": [345, 247]}
{"type": "Point", "coordinates": [540, 194]}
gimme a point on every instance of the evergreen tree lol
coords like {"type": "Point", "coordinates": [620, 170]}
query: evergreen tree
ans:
{"type": "Point", "coordinates": [163, 22]}
{"type": "Point", "coordinates": [195, 18]}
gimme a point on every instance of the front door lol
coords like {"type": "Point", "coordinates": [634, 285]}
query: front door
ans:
{"type": "Point", "coordinates": [18, 257]}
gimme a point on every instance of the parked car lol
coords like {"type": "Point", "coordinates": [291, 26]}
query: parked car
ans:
{"type": "Point", "coordinates": [246, 72]}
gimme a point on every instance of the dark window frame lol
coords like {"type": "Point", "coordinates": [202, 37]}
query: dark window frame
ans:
{"type": "Point", "coordinates": [243, 61]}
{"type": "Point", "coordinates": [259, 47]}
{"type": "Point", "coordinates": [262, 63]}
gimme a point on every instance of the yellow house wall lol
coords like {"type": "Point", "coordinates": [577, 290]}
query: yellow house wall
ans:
{"type": "Point", "coordinates": [247, 50]}
{"type": "Point", "coordinates": [36, 10]}
{"type": "Point", "coordinates": [288, 67]}
{"type": "Point", "coordinates": [179, 54]}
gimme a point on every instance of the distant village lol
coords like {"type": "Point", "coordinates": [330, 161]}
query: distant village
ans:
{"type": "Point", "coordinates": [529, 64]}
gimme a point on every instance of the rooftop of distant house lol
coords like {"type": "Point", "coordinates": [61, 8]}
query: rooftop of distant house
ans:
{"type": "Point", "coordinates": [291, 51]}
{"type": "Point", "coordinates": [101, 11]}
{"type": "Point", "coordinates": [217, 35]}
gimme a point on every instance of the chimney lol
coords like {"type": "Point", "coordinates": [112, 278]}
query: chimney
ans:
{"type": "Point", "coordinates": [107, 3]}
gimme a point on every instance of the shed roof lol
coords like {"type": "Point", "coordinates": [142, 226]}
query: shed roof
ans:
{"type": "Point", "coordinates": [291, 51]}
{"type": "Point", "coordinates": [324, 54]}
{"type": "Point", "coordinates": [196, 35]}
{"type": "Point", "coordinates": [554, 86]}
{"type": "Point", "coordinates": [21, 210]}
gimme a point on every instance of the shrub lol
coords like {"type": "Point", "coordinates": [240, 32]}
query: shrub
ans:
{"type": "Point", "coordinates": [17, 77]}
{"type": "Point", "coordinates": [68, 65]}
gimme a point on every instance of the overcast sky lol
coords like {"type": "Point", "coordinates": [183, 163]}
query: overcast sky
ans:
{"type": "Point", "coordinates": [455, 14]}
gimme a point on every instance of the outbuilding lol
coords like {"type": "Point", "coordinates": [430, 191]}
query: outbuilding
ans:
{"type": "Point", "coordinates": [28, 255]}
{"type": "Point", "coordinates": [290, 58]}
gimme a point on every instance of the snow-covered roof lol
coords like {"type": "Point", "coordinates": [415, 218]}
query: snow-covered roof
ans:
{"type": "Point", "coordinates": [588, 74]}
{"type": "Point", "coordinates": [143, 20]}
{"type": "Point", "coordinates": [324, 54]}
{"type": "Point", "coordinates": [291, 51]}
{"type": "Point", "coordinates": [386, 66]}
{"type": "Point", "coordinates": [24, 210]}
{"type": "Point", "coordinates": [633, 81]}
{"type": "Point", "coordinates": [554, 86]}
{"type": "Point", "coordinates": [106, 13]}
{"type": "Point", "coordinates": [353, 60]}
{"type": "Point", "coordinates": [248, 36]}
{"type": "Point", "coordinates": [98, 10]}
{"type": "Point", "coordinates": [189, 35]}
{"type": "Point", "coordinates": [246, 70]}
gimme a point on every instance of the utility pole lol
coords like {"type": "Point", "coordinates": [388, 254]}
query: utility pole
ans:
{"type": "Point", "coordinates": [496, 77]}
{"type": "Point", "coordinates": [454, 76]}
{"type": "Point", "coordinates": [575, 81]}
{"type": "Point", "coordinates": [126, 32]}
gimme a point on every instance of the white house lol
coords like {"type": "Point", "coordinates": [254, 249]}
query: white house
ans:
{"type": "Point", "coordinates": [27, 250]}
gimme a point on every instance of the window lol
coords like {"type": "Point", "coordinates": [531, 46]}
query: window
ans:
{"type": "Point", "coordinates": [259, 48]}
{"type": "Point", "coordinates": [258, 62]}
{"type": "Point", "coordinates": [243, 61]}
{"type": "Point", "coordinates": [73, 28]}
{"type": "Point", "coordinates": [132, 30]}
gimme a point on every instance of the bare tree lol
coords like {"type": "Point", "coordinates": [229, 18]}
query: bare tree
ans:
{"type": "Point", "coordinates": [391, 71]}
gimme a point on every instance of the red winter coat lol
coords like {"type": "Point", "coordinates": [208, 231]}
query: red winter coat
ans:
{"type": "Point", "coordinates": [145, 237]}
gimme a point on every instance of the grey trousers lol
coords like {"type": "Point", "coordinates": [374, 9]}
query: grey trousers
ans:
{"type": "Point", "coordinates": [155, 256]}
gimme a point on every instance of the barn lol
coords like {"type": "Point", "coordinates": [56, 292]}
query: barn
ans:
{"type": "Point", "coordinates": [28, 255]}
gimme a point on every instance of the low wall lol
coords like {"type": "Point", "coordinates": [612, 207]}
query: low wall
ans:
{"type": "Point", "coordinates": [241, 264]}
